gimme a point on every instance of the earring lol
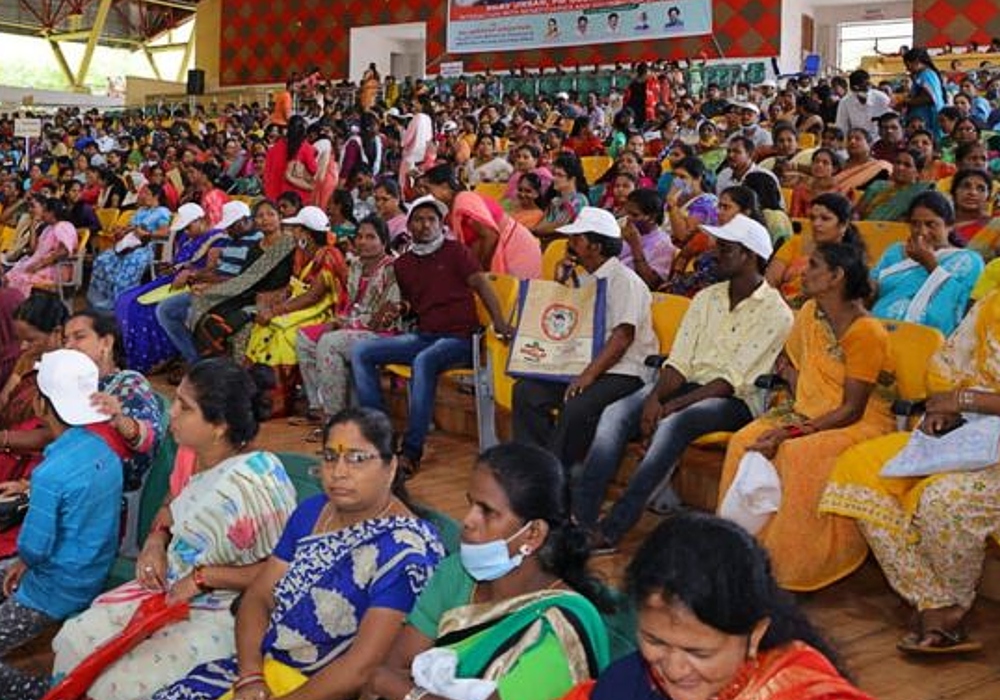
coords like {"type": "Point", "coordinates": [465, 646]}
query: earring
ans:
{"type": "Point", "coordinates": [524, 550]}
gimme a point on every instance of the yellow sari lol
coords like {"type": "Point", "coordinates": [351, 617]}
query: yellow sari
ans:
{"type": "Point", "coordinates": [810, 550]}
{"type": "Point", "coordinates": [970, 359]}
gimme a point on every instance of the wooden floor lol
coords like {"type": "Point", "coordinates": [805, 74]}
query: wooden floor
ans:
{"type": "Point", "coordinates": [861, 615]}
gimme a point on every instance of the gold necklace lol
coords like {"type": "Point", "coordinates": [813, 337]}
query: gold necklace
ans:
{"type": "Point", "coordinates": [330, 514]}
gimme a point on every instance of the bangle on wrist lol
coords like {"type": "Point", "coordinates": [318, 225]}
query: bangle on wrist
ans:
{"type": "Point", "coordinates": [966, 400]}
{"type": "Point", "coordinates": [416, 692]}
{"type": "Point", "coordinates": [198, 577]}
{"type": "Point", "coordinates": [247, 680]}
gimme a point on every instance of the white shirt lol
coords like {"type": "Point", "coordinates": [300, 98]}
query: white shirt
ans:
{"type": "Point", "coordinates": [628, 302]}
{"type": "Point", "coordinates": [756, 133]}
{"type": "Point", "coordinates": [727, 178]}
{"type": "Point", "coordinates": [854, 114]}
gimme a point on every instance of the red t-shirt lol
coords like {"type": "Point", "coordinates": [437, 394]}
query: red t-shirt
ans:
{"type": "Point", "coordinates": [437, 288]}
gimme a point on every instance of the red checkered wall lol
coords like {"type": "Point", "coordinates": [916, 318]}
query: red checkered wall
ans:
{"type": "Point", "coordinates": [958, 22]}
{"type": "Point", "coordinates": [263, 41]}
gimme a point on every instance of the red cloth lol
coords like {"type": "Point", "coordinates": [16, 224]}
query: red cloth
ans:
{"type": "Point", "coordinates": [274, 169]}
{"type": "Point", "coordinates": [437, 288]}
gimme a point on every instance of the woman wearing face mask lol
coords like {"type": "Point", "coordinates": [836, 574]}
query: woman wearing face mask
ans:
{"type": "Point", "coordinates": [713, 624]}
{"type": "Point", "coordinates": [648, 249]}
{"type": "Point", "coordinates": [691, 203]}
{"type": "Point", "coordinates": [319, 276]}
{"type": "Point", "coordinates": [515, 607]}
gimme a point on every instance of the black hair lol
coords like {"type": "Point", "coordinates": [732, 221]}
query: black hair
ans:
{"type": "Point", "coordinates": [535, 181]}
{"type": "Point", "coordinates": [747, 201]}
{"type": "Point", "coordinates": [919, 160]}
{"type": "Point", "coordinates": [230, 395]}
{"type": "Point", "coordinates": [834, 158]}
{"type": "Point", "coordinates": [534, 482]}
{"type": "Point", "coordinates": [444, 174]}
{"type": "Point", "coordinates": [746, 142]}
{"type": "Point", "coordinates": [766, 187]}
{"type": "Point", "coordinates": [381, 229]}
{"type": "Point", "coordinates": [864, 133]}
{"type": "Point", "coordinates": [391, 187]}
{"type": "Point", "coordinates": [920, 55]}
{"type": "Point", "coordinates": [42, 310]}
{"type": "Point", "coordinates": [530, 148]}
{"type": "Point", "coordinates": [293, 198]}
{"type": "Point", "coordinates": [344, 203]}
{"type": "Point", "coordinates": [851, 259]}
{"type": "Point", "coordinates": [610, 247]}
{"type": "Point", "coordinates": [570, 164]}
{"type": "Point", "coordinates": [54, 206]}
{"type": "Point", "coordinates": [934, 201]}
{"type": "Point", "coordinates": [841, 207]}
{"type": "Point", "coordinates": [295, 136]}
{"type": "Point", "coordinates": [155, 190]}
{"type": "Point", "coordinates": [649, 202]}
{"type": "Point", "coordinates": [695, 167]}
{"type": "Point", "coordinates": [104, 325]}
{"type": "Point", "coordinates": [964, 150]}
{"type": "Point", "coordinates": [967, 120]}
{"type": "Point", "coordinates": [718, 572]}
{"type": "Point", "coordinates": [967, 173]}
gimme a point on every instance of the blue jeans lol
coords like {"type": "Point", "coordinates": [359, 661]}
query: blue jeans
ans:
{"type": "Point", "coordinates": [172, 313]}
{"type": "Point", "coordinates": [620, 423]}
{"type": "Point", "coordinates": [428, 354]}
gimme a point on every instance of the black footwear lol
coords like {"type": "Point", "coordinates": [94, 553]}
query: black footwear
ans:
{"type": "Point", "coordinates": [600, 545]}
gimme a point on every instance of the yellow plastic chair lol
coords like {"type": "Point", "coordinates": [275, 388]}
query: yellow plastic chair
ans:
{"type": "Point", "coordinates": [125, 218]}
{"type": "Point", "coordinates": [108, 218]}
{"type": "Point", "coordinates": [879, 235]}
{"type": "Point", "coordinates": [8, 237]}
{"type": "Point", "coordinates": [595, 166]}
{"type": "Point", "coordinates": [667, 311]}
{"type": "Point", "coordinates": [808, 140]}
{"type": "Point", "coordinates": [553, 254]}
{"type": "Point", "coordinates": [786, 197]}
{"type": "Point", "coordinates": [493, 190]}
{"type": "Point", "coordinates": [912, 345]}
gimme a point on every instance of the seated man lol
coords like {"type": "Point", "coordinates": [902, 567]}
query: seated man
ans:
{"type": "Point", "coordinates": [172, 312]}
{"type": "Point", "coordinates": [595, 240]}
{"type": "Point", "coordinates": [438, 281]}
{"type": "Point", "coordinates": [731, 334]}
{"type": "Point", "coordinates": [70, 533]}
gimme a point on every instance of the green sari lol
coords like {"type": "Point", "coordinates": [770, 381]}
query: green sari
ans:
{"type": "Point", "coordinates": [884, 201]}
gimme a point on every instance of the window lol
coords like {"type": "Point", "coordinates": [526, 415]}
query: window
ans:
{"type": "Point", "coordinates": [859, 39]}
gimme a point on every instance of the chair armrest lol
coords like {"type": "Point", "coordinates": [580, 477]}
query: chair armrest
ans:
{"type": "Point", "coordinates": [903, 407]}
{"type": "Point", "coordinates": [655, 361]}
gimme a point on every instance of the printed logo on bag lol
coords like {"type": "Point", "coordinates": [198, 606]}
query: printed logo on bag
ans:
{"type": "Point", "coordinates": [559, 321]}
{"type": "Point", "coordinates": [533, 352]}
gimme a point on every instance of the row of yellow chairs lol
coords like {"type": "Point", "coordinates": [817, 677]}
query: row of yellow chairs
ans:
{"type": "Point", "coordinates": [878, 236]}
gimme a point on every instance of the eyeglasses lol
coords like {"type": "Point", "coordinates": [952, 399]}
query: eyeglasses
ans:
{"type": "Point", "coordinates": [353, 458]}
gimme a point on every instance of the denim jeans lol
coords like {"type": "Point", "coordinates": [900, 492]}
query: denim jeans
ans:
{"type": "Point", "coordinates": [428, 354]}
{"type": "Point", "coordinates": [172, 313]}
{"type": "Point", "coordinates": [620, 423]}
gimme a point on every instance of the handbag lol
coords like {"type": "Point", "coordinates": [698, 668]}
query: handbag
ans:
{"type": "Point", "coordinates": [754, 495]}
{"type": "Point", "coordinates": [973, 445]}
{"type": "Point", "coordinates": [560, 329]}
{"type": "Point", "coordinates": [297, 175]}
{"type": "Point", "coordinates": [12, 511]}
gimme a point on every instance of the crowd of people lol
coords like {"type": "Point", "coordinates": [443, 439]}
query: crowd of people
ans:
{"type": "Point", "coordinates": [274, 259]}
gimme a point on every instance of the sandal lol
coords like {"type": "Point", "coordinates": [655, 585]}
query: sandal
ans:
{"type": "Point", "coordinates": [937, 642]}
{"type": "Point", "coordinates": [315, 435]}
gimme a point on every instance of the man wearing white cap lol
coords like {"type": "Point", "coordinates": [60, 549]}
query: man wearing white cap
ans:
{"type": "Point", "coordinates": [70, 533]}
{"type": "Point", "coordinates": [731, 334]}
{"type": "Point", "coordinates": [749, 125]}
{"type": "Point", "coordinates": [234, 258]}
{"type": "Point", "coordinates": [595, 241]}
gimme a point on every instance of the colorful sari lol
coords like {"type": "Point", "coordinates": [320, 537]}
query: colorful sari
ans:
{"type": "Point", "coordinates": [857, 177]}
{"type": "Point", "coordinates": [885, 201]}
{"type": "Point", "coordinates": [793, 256]}
{"type": "Point", "coordinates": [809, 551]}
{"type": "Point", "coordinates": [61, 233]}
{"type": "Point", "coordinates": [332, 580]}
{"type": "Point", "coordinates": [698, 248]}
{"type": "Point", "coordinates": [229, 515]}
{"type": "Point", "coordinates": [516, 252]}
{"type": "Point", "coordinates": [145, 343]}
{"type": "Point", "coordinates": [980, 235]}
{"type": "Point", "coordinates": [114, 273]}
{"type": "Point", "coordinates": [274, 344]}
{"type": "Point", "coordinates": [906, 292]}
{"type": "Point", "coordinates": [794, 671]}
{"type": "Point", "coordinates": [140, 403]}
{"type": "Point", "coordinates": [894, 513]}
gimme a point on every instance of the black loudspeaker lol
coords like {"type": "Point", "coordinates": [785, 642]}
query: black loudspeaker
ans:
{"type": "Point", "coordinates": [196, 82]}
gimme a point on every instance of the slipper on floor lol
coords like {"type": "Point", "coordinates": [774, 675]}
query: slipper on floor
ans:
{"type": "Point", "coordinates": [943, 642]}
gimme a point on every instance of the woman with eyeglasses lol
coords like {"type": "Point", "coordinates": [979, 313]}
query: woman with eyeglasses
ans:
{"type": "Point", "coordinates": [222, 517]}
{"type": "Point", "coordinates": [328, 602]}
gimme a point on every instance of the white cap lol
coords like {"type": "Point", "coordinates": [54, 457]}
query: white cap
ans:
{"type": "Point", "coordinates": [746, 105]}
{"type": "Point", "coordinates": [232, 212]}
{"type": "Point", "coordinates": [427, 200]}
{"type": "Point", "coordinates": [745, 231]}
{"type": "Point", "coordinates": [68, 378]}
{"type": "Point", "coordinates": [593, 220]}
{"type": "Point", "coordinates": [562, 95]}
{"type": "Point", "coordinates": [769, 83]}
{"type": "Point", "coordinates": [312, 218]}
{"type": "Point", "coordinates": [448, 127]}
{"type": "Point", "coordinates": [186, 215]}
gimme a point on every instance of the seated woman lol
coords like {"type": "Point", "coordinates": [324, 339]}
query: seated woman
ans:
{"type": "Point", "coordinates": [714, 624]}
{"type": "Point", "coordinates": [208, 560]}
{"type": "Point", "coordinates": [318, 279]}
{"type": "Point", "coordinates": [934, 168]}
{"type": "Point", "coordinates": [629, 164]}
{"type": "Point", "coordinates": [888, 200]}
{"type": "Point", "coordinates": [196, 247]}
{"type": "Point", "coordinates": [79, 213]}
{"type": "Point", "coordinates": [324, 350]}
{"type": "Point", "coordinates": [568, 195]}
{"type": "Point", "coordinates": [356, 553]}
{"type": "Point", "coordinates": [389, 207]}
{"type": "Point", "coordinates": [647, 248]}
{"type": "Point", "coordinates": [57, 241]}
{"type": "Point", "coordinates": [691, 203]}
{"type": "Point", "coordinates": [830, 216]}
{"type": "Point", "coordinates": [929, 533]}
{"type": "Point", "coordinates": [495, 238]}
{"type": "Point", "coordinates": [125, 395]}
{"type": "Point", "coordinates": [772, 207]}
{"type": "Point", "coordinates": [526, 161]}
{"type": "Point", "coordinates": [926, 280]}
{"type": "Point", "coordinates": [123, 266]}
{"type": "Point", "coordinates": [975, 228]}
{"type": "Point", "coordinates": [485, 165]}
{"type": "Point", "coordinates": [38, 324]}
{"type": "Point", "coordinates": [528, 206]}
{"type": "Point", "coordinates": [824, 168]}
{"type": "Point", "coordinates": [838, 365]}
{"type": "Point", "coordinates": [524, 622]}
{"type": "Point", "coordinates": [860, 169]}
{"type": "Point", "coordinates": [622, 185]}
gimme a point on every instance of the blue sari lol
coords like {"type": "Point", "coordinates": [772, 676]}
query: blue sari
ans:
{"type": "Point", "coordinates": [145, 342]}
{"type": "Point", "coordinates": [906, 292]}
{"type": "Point", "coordinates": [332, 580]}
{"type": "Point", "coordinates": [115, 273]}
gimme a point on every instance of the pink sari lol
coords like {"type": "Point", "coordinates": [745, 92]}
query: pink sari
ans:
{"type": "Point", "coordinates": [517, 251]}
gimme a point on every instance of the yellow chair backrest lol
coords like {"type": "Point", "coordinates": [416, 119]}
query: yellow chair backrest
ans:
{"type": "Point", "coordinates": [912, 346]}
{"type": "Point", "coordinates": [125, 218]}
{"type": "Point", "coordinates": [493, 190]}
{"type": "Point", "coordinates": [667, 311]}
{"type": "Point", "coordinates": [8, 236]}
{"type": "Point", "coordinates": [803, 226]}
{"type": "Point", "coordinates": [555, 252]}
{"type": "Point", "coordinates": [808, 140]}
{"type": "Point", "coordinates": [595, 166]}
{"type": "Point", "coordinates": [82, 238]}
{"type": "Point", "coordinates": [786, 197]}
{"type": "Point", "coordinates": [506, 288]}
{"type": "Point", "coordinates": [879, 235]}
{"type": "Point", "coordinates": [108, 218]}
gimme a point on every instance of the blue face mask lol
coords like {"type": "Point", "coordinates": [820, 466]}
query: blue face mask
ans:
{"type": "Point", "coordinates": [491, 560]}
